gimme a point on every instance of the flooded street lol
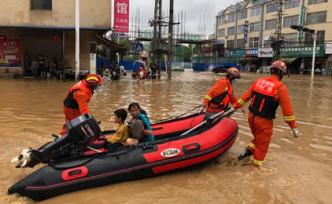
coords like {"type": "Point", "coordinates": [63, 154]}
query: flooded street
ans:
{"type": "Point", "coordinates": [296, 170]}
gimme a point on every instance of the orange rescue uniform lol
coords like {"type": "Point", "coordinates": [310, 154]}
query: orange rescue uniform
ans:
{"type": "Point", "coordinates": [76, 102]}
{"type": "Point", "coordinates": [266, 95]}
{"type": "Point", "coordinates": [219, 96]}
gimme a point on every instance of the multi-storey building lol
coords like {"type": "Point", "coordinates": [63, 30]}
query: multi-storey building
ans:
{"type": "Point", "coordinates": [32, 27]}
{"type": "Point", "coordinates": [249, 26]}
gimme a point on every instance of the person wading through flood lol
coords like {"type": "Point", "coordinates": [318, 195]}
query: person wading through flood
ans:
{"type": "Point", "coordinates": [221, 93]}
{"type": "Point", "coordinates": [76, 101]}
{"type": "Point", "coordinates": [266, 94]}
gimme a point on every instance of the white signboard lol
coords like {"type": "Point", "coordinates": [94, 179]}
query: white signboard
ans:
{"type": "Point", "coordinates": [265, 52]}
{"type": "Point", "coordinates": [328, 48]}
{"type": "Point", "coordinates": [93, 63]}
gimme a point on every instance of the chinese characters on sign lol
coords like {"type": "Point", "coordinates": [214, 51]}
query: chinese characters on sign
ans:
{"type": "Point", "coordinates": [10, 52]}
{"type": "Point", "coordinates": [121, 16]}
{"type": "Point", "coordinates": [293, 52]}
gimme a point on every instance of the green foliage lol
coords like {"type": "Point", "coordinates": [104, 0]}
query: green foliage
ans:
{"type": "Point", "coordinates": [126, 45]}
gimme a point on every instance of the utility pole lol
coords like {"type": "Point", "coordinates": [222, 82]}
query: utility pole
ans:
{"type": "Point", "coordinates": [314, 35]}
{"type": "Point", "coordinates": [279, 29]}
{"type": "Point", "coordinates": [157, 24]}
{"type": "Point", "coordinates": [170, 40]}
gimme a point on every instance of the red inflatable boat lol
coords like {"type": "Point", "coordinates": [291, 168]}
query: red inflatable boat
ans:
{"type": "Point", "coordinates": [171, 150]}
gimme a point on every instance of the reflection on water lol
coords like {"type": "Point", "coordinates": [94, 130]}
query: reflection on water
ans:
{"type": "Point", "coordinates": [296, 169]}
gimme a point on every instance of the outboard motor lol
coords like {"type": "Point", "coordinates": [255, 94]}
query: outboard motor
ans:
{"type": "Point", "coordinates": [82, 131]}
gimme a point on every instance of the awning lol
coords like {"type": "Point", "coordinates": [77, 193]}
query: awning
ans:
{"type": "Point", "coordinates": [115, 47]}
{"type": "Point", "coordinates": [288, 60]}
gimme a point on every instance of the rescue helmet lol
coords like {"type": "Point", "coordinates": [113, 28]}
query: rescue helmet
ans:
{"type": "Point", "coordinates": [94, 80]}
{"type": "Point", "coordinates": [233, 72]}
{"type": "Point", "coordinates": [280, 66]}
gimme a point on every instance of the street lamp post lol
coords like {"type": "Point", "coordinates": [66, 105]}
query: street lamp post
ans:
{"type": "Point", "coordinates": [314, 35]}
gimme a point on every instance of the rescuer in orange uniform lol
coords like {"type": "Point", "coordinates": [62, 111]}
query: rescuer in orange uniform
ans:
{"type": "Point", "coordinates": [76, 101]}
{"type": "Point", "coordinates": [266, 95]}
{"type": "Point", "coordinates": [221, 93]}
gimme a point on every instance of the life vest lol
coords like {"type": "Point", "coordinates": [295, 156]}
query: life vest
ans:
{"type": "Point", "coordinates": [222, 100]}
{"type": "Point", "coordinates": [69, 101]}
{"type": "Point", "coordinates": [264, 102]}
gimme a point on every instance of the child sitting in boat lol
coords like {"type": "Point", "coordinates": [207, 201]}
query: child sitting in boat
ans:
{"type": "Point", "coordinates": [139, 126]}
{"type": "Point", "coordinates": [121, 134]}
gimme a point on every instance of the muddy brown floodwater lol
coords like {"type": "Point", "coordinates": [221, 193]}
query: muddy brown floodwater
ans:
{"type": "Point", "coordinates": [296, 170]}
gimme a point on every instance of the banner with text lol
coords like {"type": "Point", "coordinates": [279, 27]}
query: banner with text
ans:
{"type": "Point", "coordinates": [121, 16]}
{"type": "Point", "coordinates": [10, 52]}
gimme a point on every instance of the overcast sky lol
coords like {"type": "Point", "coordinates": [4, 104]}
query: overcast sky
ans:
{"type": "Point", "coordinates": [194, 9]}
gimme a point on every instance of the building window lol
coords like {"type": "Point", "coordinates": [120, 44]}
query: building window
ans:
{"type": "Point", "coordinates": [292, 4]}
{"type": "Point", "coordinates": [253, 42]}
{"type": "Point", "coordinates": [270, 24]}
{"type": "Point", "coordinates": [242, 14]}
{"type": "Point", "coordinates": [317, 17]}
{"type": "Point", "coordinates": [241, 43]}
{"type": "Point", "coordinates": [290, 20]}
{"type": "Point", "coordinates": [256, 11]}
{"type": "Point", "coordinates": [231, 17]}
{"type": "Point", "coordinates": [267, 43]}
{"type": "Point", "coordinates": [240, 29]}
{"type": "Point", "coordinates": [316, 1]}
{"type": "Point", "coordinates": [272, 7]}
{"type": "Point", "coordinates": [254, 27]}
{"type": "Point", "coordinates": [290, 39]}
{"type": "Point", "coordinates": [221, 20]}
{"type": "Point", "coordinates": [231, 31]}
{"type": "Point", "coordinates": [230, 44]}
{"type": "Point", "coordinates": [41, 4]}
{"type": "Point", "coordinates": [320, 37]}
{"type": "Point", "coordinates": [221, 33]}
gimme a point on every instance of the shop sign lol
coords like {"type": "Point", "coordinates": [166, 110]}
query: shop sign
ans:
{"type": "Point", "coordinates": [10, 52]}
{"type": "Point", "coordinates": [252, 52]}
{"type": "Point", "coordinates": [328, 48]}
{"type": "Point", "coordinates": [121, 16]}
{"type": "Point", "coordinates": [265, 52]}
{"type": "Point", "coordinates": [235, 53]}
{"type": "Point", "coordinates": [293, 52]}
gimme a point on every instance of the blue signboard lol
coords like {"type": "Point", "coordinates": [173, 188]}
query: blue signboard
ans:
{"type": "Point", "coordinates": [245, 31]}
{"type": "Point", "coordinates": [139, 47]}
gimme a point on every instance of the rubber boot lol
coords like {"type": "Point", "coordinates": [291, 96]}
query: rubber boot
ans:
{"type": "Point", "coordinates": [245, 154]}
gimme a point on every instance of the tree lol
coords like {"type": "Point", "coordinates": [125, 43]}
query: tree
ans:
{"type": "Point", "coordinates": [126, 45]}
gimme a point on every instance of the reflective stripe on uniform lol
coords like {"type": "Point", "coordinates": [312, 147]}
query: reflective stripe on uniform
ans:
{"type": "Point", "coordinates": [289, 118]}
{"type": "Point", "coordinates": [257, 162]}
{"type": "Point", "coordinates": [251, 146]}
{"type": "Point", "coordinates": [92, 78]}
{"type": "Point", "coordinates": [240, 101]}
{"type": "Point", "coordinates": [208, 97]}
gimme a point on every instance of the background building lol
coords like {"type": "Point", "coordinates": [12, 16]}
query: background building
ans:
{"type": "Point", "coordinates": [47, 27]}
{"type": "Point", "coordinates": [247, 28]}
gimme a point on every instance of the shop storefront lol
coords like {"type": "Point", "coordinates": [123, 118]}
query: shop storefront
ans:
{"type": "Point", "coordinates": [19, 47]}
{"type": "Point", "coordinates": [247, 59]}
{"type": "Point", "coordinates": [328, 64]}
{"type": "Point", "coordinates": [299, 59]}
